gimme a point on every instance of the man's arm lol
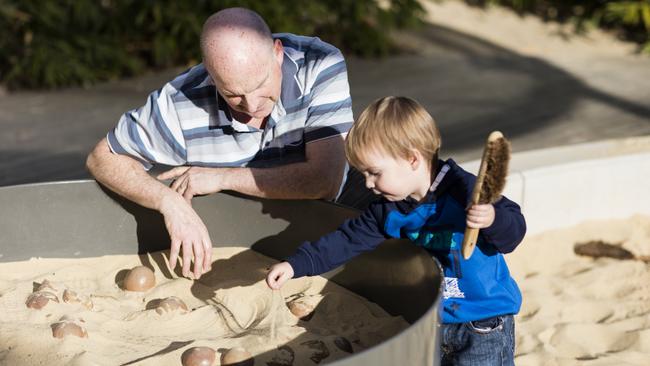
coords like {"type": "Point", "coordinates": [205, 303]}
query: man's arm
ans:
{"type": "Point", "coordinates": [126, 177]}
{"type": "Point", "coordinates": [319, 176]}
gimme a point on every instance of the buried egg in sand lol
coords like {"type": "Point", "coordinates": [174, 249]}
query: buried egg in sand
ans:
{"type": "Point", "coordinates": [237, 356]}
{"type": "Point", "coordinates": [198, 356]}
{"type": "Point", "coordinates": [67, 326]}
{"type": "Point", "coordinates": [171, 304]}
{"type": "Point", "coordinates": [139, 279]}
{"type": "Point", "coordinates": [301, 310]}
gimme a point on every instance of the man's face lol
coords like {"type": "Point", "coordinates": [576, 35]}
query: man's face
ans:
{"type": "Point", "coordinates": [255, 93]}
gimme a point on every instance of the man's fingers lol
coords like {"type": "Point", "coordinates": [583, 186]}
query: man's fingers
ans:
{"type": "Point", "coordinates": [198, 260]}
{"type": "Point", "coordinates": [187, 193]}
{"type": "Point", "coordinates": [187, 258]}
{"type": "Point", "coordinates": [207, 257]}
{"type": "Point", "coordinates": [173, 253]}
{"type": "Point", "coordinates": [173, 173]}
{"type": "Point", "coordinates": [176, 184]}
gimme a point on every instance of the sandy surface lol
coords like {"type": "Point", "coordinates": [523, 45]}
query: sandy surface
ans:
{"type": "Point", "coordinates": [229, 307]}
{"type": "Point", "coordinates": [526, 34]}
{"type": "Point", "coordinates": [579, 310]}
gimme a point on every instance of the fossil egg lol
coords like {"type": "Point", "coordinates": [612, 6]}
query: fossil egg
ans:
{"type": "Point", "coordinates": [72, 297]}
{"type": "Point", "coordinates": [343, 344]}
{"type": "Point", "coordinates": [198, 356]}
{"type": "Point", "coordinates": [68, 326]}
{"type": "Point", "coordinates": [301, 310]}
{"type": "Point", "coordinates": [46, 285]}
{"type": "Point", "coordinates": [319, 350]}
{"type": "Point", "coordinates": [139, 279]}
{"type": "Point", "coordinates": [170, 304]}
{"type": "Point", "coordinates": [38, 300]}
{"type": "Point", "coordinates": [237, 356]}
{"type": "Point", "coordinates": [283, 357]}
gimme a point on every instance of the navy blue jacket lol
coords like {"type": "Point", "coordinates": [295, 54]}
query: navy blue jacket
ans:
{"type": "Point", "coordinates": [474, 289]}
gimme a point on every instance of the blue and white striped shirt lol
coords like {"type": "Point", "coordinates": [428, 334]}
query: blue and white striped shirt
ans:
{"type": "Point", "coordinates": [188, 123]}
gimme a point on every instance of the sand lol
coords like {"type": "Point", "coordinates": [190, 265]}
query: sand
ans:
{"type": "Point", "coordinates": [576, 310]}
{"type": "Point", "coordinates": [229, 307]}
{"type": "Point", "coordinates": [579, 310]}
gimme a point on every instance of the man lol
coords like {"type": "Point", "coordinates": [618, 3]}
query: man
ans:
{"type": "Point", "coordinates": [256, 100]}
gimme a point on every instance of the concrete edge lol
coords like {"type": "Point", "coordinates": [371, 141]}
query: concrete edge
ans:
{"type": "Point", "coordinates": [564, 186]}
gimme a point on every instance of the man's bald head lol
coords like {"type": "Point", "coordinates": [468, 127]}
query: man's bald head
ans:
{"type": "Point", "coordinates": [236, 39]}
{"type": "Point", "coordinates": [244, 61]}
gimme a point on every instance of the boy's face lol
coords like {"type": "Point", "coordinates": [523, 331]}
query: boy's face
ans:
{"type": "Point", "coordinates": [393, 178]}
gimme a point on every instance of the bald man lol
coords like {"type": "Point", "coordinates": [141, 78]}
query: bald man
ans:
{"type": "Point", "coordinates": [264, 114]}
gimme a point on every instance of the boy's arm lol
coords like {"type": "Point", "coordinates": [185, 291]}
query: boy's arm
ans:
{"type": "Point", "coordinates": [508, 228]}
{"type": "Point", "coordinates": [350, 239]}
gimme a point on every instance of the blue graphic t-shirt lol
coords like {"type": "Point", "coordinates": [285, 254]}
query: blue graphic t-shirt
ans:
{"type": "Point", "coordinates": [477, 288]}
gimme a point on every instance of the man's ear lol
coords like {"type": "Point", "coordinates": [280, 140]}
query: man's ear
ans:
{"type": "Point", "coordinates": [278, 51]}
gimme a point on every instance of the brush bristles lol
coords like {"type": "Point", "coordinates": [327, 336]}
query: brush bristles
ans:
{"type": "Point", "coordinates": [497, 159]}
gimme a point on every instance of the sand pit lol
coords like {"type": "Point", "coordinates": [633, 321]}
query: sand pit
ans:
{"type": "Point", "coordinates": [227, 308]}
{"type": "Point", "coordinates": [583, 311]}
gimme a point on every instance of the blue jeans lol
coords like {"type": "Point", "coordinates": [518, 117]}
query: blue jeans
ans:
{"type": "Point", "coordinates": [483, 342]}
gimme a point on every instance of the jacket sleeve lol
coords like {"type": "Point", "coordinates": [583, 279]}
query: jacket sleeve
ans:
{"type": "Point", "coordinates": [352, 238]}
{"type": "Point", "coordinates": [508, 228]}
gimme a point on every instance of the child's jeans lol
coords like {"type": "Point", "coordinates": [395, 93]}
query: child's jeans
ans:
{"type": "Point", "coordinates": [483, 342]}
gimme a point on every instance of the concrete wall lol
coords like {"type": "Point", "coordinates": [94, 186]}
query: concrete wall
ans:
{"type": "Point", "coordinates": [563, 186]}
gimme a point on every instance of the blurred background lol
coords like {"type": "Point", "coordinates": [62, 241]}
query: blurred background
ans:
{"type": "Point", "coordinates": [545, 72]}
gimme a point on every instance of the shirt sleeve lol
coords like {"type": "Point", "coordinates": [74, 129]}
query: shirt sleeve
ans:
{"type": "Point", "coordinates": [152, 133]}
{"type": "Point", "coordinates": [330, 107]}
{"type": "Point", "coordinates": [508, 228]}
{"type": "Point", "coordinates": [352, 238]}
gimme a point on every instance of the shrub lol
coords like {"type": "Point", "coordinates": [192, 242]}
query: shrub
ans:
{"type": "Point", "coordinates": [50, 43]}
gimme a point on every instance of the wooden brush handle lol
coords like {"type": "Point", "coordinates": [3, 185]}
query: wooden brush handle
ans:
{"type": "Point", "coordinates": [471, 235]}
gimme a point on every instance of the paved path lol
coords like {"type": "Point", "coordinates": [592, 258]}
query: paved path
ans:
{"type": "Point", "coordinates": [470, 86]}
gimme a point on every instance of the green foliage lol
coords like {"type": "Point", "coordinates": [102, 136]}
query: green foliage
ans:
{"type": "Point", "coordinates": [55, 43]}
{"type": "Point", "coordinates": [631, 17]}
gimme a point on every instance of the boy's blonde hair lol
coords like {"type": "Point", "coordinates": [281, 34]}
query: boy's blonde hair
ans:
{"type": "Point", "coordinates": [396, 126]}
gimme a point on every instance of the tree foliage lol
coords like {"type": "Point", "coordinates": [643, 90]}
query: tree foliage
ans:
{"type": "Point", "coordinates": [55, 43]}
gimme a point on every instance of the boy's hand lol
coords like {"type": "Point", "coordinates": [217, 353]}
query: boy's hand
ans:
{"type": "Point", "coordinates": [279, 274]}
{"type": "Point", "coordinates": [480, 216]}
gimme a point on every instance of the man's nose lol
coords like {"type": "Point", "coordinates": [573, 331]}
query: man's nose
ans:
{"type": "Point", "coordinates": [369, 184]}
{"type": "Point", "coordinates": [251, 103]}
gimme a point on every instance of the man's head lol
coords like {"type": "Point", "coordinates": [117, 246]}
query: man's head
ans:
{"type": "Point", "coordinates": [393, 138]}
{"type": "Point", "coordinates": [243, 60]}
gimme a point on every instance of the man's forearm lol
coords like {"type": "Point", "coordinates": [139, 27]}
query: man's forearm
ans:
{"type": "Point", "coordinates": [126, 177]}
{"type": "Point", "coordinates": [319, 177]}
{"type": "Point", "coordinates": [292, 181]}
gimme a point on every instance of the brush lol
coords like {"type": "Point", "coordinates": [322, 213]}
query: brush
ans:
{"type": "Point", "coordinates": [490, 181]}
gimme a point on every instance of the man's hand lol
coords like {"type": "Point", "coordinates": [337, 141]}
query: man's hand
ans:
{"type": "Point", "coordinates": [186, 231]}
{"type": "Point", "coordinates": [192, 181]}
{"type": "Point", "coordinates": [279, 274]}
{"type": "Point", "coordinates": [480, 216]}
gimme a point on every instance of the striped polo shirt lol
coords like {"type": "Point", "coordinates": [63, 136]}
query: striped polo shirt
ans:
{"type": "Point", "coordinates": [187, 122]}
